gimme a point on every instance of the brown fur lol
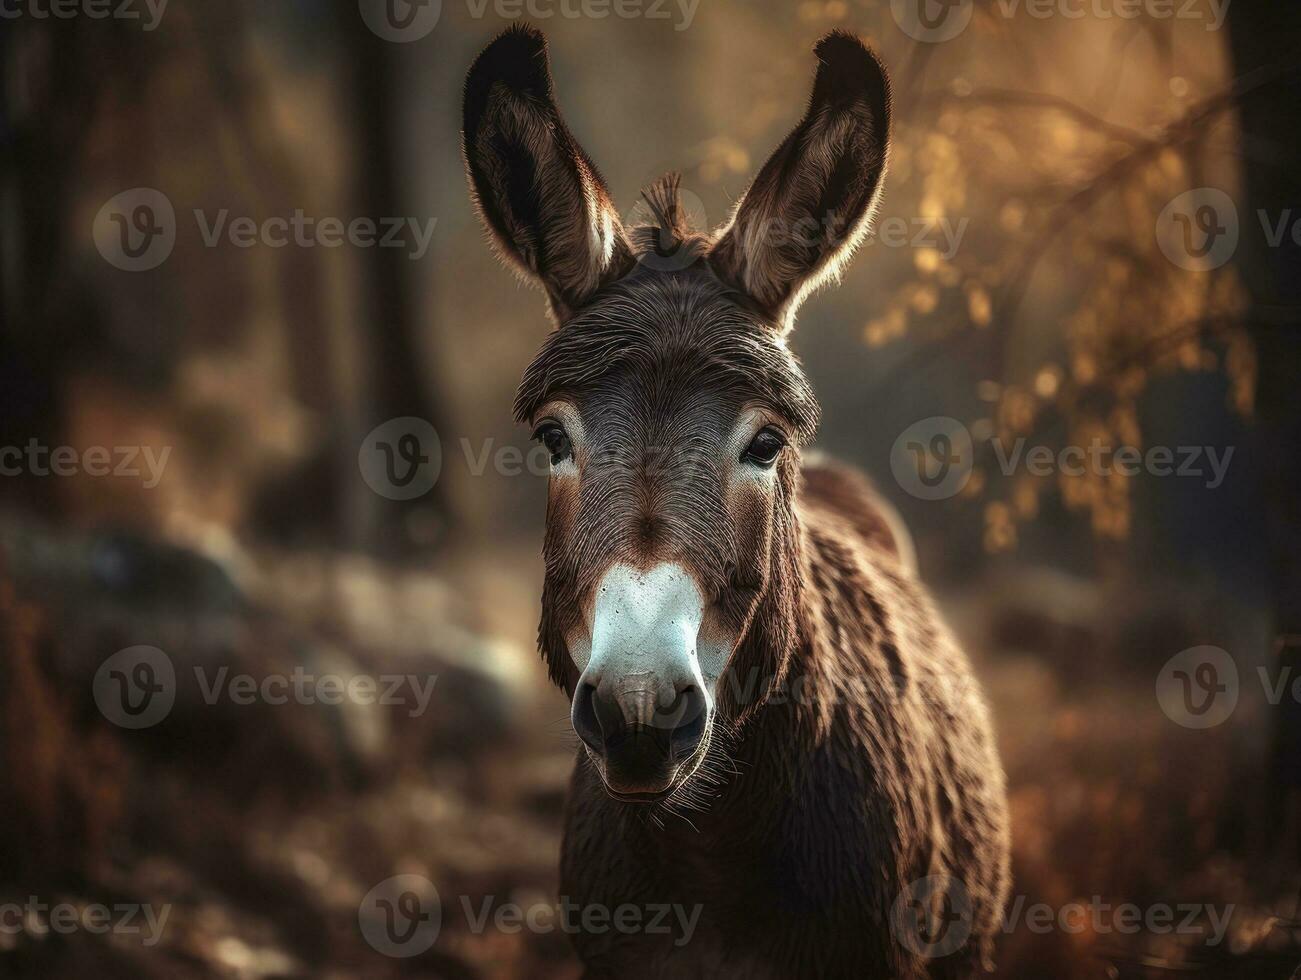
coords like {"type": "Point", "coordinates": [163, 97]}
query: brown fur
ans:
{"type": "Point", "coordinates": [851, 751]}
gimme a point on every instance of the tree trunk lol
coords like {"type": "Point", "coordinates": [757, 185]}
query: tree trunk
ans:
{"type": "Point", "coordinates": [1263, 37]}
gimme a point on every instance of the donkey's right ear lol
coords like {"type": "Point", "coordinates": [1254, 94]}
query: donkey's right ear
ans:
{"type": "Point", "coordinates": [540, 196]}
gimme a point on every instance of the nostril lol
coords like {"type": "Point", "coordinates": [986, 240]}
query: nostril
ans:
{"type": "Point", "coordinates": [586, 723]}
{"type": "Point", "coordinates": [693, 714]}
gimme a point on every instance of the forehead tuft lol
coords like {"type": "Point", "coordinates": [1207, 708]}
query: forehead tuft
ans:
{"type": "Point", "coordinates": [686, 322]}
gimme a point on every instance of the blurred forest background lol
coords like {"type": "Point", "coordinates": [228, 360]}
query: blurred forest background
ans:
{"type": "Point", "coordinates": [1048, 147]}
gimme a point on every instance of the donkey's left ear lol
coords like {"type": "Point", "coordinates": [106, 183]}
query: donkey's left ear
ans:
{"type": "Point", "coordinates": [812, 201]}
{"type": "Point", "coordinates": [538, 192]}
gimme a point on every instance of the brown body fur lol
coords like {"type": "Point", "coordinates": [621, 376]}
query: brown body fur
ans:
{"type": "Point", "coordinates": [800, 859]}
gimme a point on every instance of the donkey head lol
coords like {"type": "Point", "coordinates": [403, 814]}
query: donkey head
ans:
{"type": "Point", "coordinates": [669, 402]}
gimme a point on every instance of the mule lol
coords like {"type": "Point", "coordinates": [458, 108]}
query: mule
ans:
{"type": "Point", "coordinates": [781, 741]}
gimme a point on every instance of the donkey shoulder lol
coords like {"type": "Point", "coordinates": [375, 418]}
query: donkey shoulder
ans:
{"type": "Point", "coordinates": [846, 496]}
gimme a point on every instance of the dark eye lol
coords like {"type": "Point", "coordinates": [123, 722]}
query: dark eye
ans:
{"type": "Point", "coordinates": [551, 435]}
{"type": "Point", "coordinates": [764, 447]}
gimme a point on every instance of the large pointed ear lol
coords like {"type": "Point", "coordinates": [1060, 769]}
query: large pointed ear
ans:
{"type": "Point", "coordinates": [811, 204]}
{"type": "Point", "coordinates": [540, 196]}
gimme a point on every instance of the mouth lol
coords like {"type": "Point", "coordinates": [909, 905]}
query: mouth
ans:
{"type": "Point", "coordinates": [680, 773]}
{"type": "Point", "coordinates": [641, 798]}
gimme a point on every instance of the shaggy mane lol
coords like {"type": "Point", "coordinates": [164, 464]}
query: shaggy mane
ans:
{"type": "Point", "coordinates": [671, 233]}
